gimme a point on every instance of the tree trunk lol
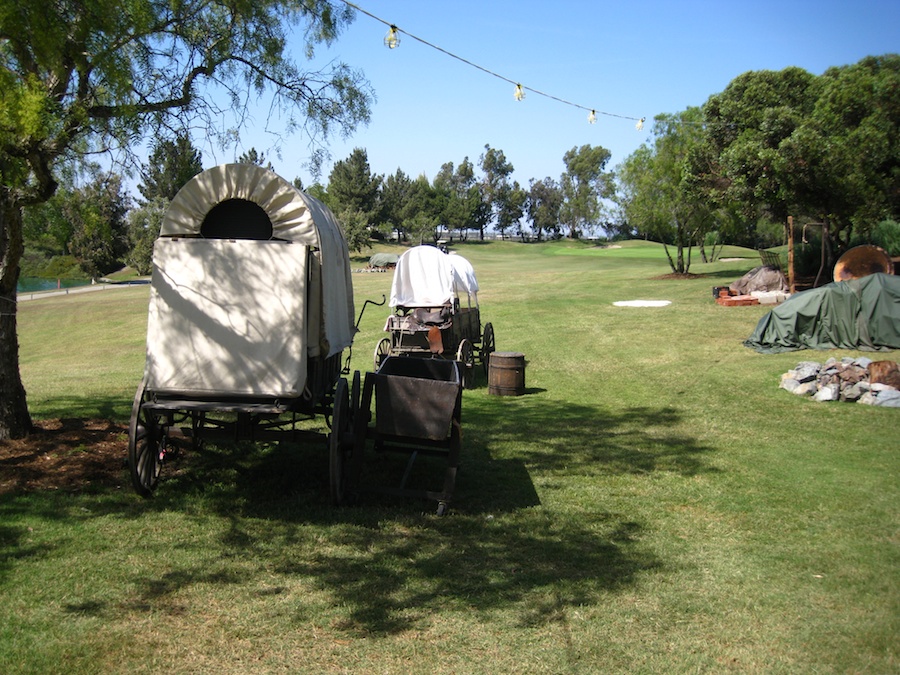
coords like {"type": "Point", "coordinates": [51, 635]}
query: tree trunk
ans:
{"type": "Point", "coordinates": [15, 422]}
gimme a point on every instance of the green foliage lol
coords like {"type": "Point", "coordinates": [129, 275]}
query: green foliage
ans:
{"type": "Point", "coordinates": [545, 199]}
{"type": "Point", "coordinates": [464, 207]}
{"type": "Point", "coordinates": [792, 143]}
{"type": "Point", "coordinates": [495, 185]}
{"type": "Point", "coordinates": [35, 264]}
{"type": "Point", "coordinates": [584, 184]}
{"type": "Point", "coordinates": [352, 186]}
{"type": "Point", "coordinates": [393, 197]}
{"type": "Point", "coordinates": [655, 193]}
{"type": "Point", "coordinates": [252, 156]}
{"type": "Point", "coordinates": [98, 214]}
{"type": "Point", "coordinates": [144, 224]}
{"type": "Point", "coordinates": [172, 163]}
{"type": "Point", "coordinates": [88, 223]}
{"type": "Point", "coordinates": [422, 211]}
{"type": "Point", "coordinates": [355, 226]}
{"type": "Point", "coordinates": [887, 235]}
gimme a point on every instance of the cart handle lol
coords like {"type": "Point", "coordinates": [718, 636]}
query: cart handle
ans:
{"type": "Point", "coordinates": [346, 369]}
{"type": "Point", "coordinates": [370, 302]}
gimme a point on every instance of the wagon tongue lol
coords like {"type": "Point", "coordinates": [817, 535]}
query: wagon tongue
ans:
{"type": "Point", "coordinates": [435, 341]}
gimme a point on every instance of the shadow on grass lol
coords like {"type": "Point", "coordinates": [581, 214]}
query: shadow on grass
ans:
{"type": "Point", "coordinates": [114, 406]}
{"type": "Point", "coordinates": [383, 566]}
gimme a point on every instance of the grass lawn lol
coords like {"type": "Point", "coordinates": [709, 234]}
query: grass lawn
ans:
{"type": "Point", "coordinates": [654, 503]}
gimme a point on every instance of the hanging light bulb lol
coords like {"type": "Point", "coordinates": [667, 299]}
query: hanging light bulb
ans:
{"type": "Point", "coordinates": [592, 117]}
{"type": "Point", "coordinates": [640, 124]}
{"type": "Point", "coordinates": [520, 93]}
{"type": "Point", "coordinates": [392, 39]}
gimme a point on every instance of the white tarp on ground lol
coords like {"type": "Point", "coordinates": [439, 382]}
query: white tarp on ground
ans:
{"type": "Point", "coordinates": [425, 276]}
{"type": "Point", "coordinates": [248, 287]}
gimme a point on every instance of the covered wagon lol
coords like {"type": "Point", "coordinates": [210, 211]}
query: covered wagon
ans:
{"type": "Point", "coordinates": [251, 307]}
{"type": "Point", "coordinates": [434, 296]}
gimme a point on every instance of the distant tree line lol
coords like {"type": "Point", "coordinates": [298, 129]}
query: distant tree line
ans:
{"type": "Point", "coordinates": [823, 149]}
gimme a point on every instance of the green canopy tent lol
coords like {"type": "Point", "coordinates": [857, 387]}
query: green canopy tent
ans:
{"type": "Point", "coordinates": [859, 314]}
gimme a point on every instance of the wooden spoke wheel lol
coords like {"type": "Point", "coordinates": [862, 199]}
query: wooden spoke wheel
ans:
{"type": "Point", "coordinates": [147, 445]}
{"type": "Point", "coordinates": [340, 441]}
{"type": "Point", "coordinates": [487, 346]}
{"type": "Point", "coordinates": [382, 351]}
{"type": "Point", "coordinates": [465, 354]}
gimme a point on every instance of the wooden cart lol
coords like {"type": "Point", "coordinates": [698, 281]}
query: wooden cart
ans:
{"type": "Point", "coordinates": [410, 407]}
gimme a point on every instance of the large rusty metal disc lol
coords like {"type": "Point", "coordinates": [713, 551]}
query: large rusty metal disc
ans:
{"type": "Point", "coordinates": [861, 261]}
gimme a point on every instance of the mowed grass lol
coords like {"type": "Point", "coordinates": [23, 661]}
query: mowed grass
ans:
{"type": "Point", "coordinates": [653, 503]}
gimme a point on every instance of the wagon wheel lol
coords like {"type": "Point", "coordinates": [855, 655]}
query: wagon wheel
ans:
{"type": "Point", "coordinates": [382, 351]}
{"type": "Point", "coordinates": [355, 393]}
{"type": "Point", "coordinates": [146, 445]}
{"type": "Point", "coordinates": [340, 442]}
{"type": "Point", "coordinates": [487, 346]}
{"type": "Point", "coordinates": [465, 354]}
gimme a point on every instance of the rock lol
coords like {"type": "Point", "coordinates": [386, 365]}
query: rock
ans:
{"type": "Point", "coordinates": [830, 392]}
{"type": "Point", "coordinates": [878, 387]}
{"type": "Point", "coordinates": [806, 388]}
{"type": "Point", "coordinates": [854, 392]}
{"type": "Point", "coordinates": [867, 399]}
{"type": "Point", "coordinates": [788, 383]}
{"type": "Point", "coordinates": [851, 374]}
{"type": "Point", "coordinates": [850, 379]}
{"type": "Point", "coordinates": [804, 372]}
{"type": "Point", "coordinates": [886, 372]}
{"type": "Point", "coordinates": [888, 399]}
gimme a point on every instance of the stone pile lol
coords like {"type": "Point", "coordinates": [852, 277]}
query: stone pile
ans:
{"type": "Point", "coordinates": [850, 379]}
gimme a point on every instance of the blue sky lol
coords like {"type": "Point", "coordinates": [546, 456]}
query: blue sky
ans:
{"type": "Point", "coordinates": [631, 59]}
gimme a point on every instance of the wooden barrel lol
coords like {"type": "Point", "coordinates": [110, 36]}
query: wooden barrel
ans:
{"type": "Point", "coordinates": [506, 374]}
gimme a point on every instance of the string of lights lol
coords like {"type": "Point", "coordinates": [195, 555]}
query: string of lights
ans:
{"type": "Point", "coordinates": [392, 41]}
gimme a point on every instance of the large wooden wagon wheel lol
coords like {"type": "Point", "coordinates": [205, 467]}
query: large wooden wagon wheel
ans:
{"type": "Point", "coordinates": [465, 354]}
{"type": "Point", "coordinates": [340, 440]}
{"type": "Point", "coordinates": [147, 445]}
{"type": "Point", "coordinates": [487, 346]}
{"type": "Point", "coordinates": [382, 351]}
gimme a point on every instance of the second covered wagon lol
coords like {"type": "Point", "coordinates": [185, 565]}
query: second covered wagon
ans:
{"type": "Point", "coordinates": [434, 296]}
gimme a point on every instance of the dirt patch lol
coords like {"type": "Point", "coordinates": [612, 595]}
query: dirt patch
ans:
{"type": "Point", "coordinates": [71, 455]}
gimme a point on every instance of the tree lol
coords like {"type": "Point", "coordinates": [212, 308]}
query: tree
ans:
{"type": "Point", "coordinates": [746, 126]}
{"type": "Point", "coordinates": [393, 198]}
{"type": "Point", "coordinates": [464, 206]}
{"type": "Point", "coordinates": [842, 163]}
{"type": "Point", "coordinates": [788, 142]}
{"type": "Point", "coordinates": [495, 182]}
{"type": "Point", "coordinates": [353, 187]}
{"type": "Point", "coordinates": [542, 206]}
{"type": "Point", "coordinates": [421, 213]}
{"type": "Point", "coordinates": [251, 156]}
{"type": "Point", "coordinates": [171, 164]}
{"type": "Point", "coordinates": [98, 216]}
{"type": "Point", "coordinates": [654, 193]}
{"type": "Point", "coordinates": [355, 225]}
{"type": "Point", "coordinates": [78, 77]}
{"type": "Point", "coordinates": [584, 183]}
{"type": "Point", "coordinates": [144, 224]}
{"type": "Point", "coordinates": [510, 207]}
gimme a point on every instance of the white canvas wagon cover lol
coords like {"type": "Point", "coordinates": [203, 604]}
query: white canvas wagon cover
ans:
{"type": "Point", "coordinates": [242, 316]}
{"type": "Point", "coordinates": [425, 276]}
